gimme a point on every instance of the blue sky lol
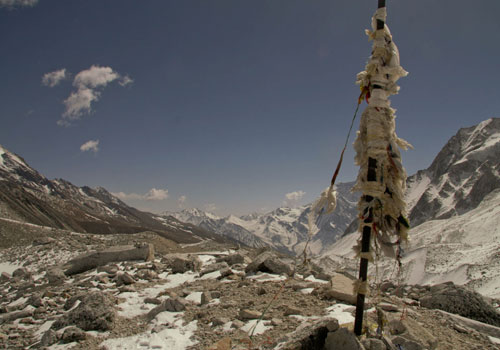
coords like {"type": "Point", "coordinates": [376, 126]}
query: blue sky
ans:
{"type": "Point", "coordinates": [229, 105]}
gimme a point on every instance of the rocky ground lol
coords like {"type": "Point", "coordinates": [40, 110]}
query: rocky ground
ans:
{"type": "Point", "coordinates": [213, 296]}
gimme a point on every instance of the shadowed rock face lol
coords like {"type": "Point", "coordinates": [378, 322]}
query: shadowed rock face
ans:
{"type": "Point", "coordinates": [462, 174]}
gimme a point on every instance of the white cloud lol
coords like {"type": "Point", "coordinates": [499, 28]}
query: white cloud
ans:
{"type": "Point", "coordinates": [77, 103]}
{"type": "Point", "coordinates": [51, 79]}
{"type": "Point", "coordinates": [87, 82]}
{"type": "Point", "coordinates": [125, 80]}
{"type": "Point", "coordinates": [152, 195]}
{"type": "Point", "coordinates": [92, 145]}
{"type": "Point", "coordinates": [181, 201]}
{"type": "Point", "coordinates": [156, 195]}
{"type": "Point", "coordinates": [292, 198]}
{"type": "Point", "coordinates": [210, 207]}
{"type": "Point", "coordinates": [124, 196]}
{"type": "Point", "coordinates": [15, 3]}
{"type": "Point", "coordinates": [94, 77]}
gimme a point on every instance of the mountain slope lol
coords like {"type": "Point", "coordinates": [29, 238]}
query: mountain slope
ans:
{"type": "Point", "coordinates": [454, 210]}
{"type": "Point", "coordinates": [284, 229]}
{"type": "Point", "coordinates": [461, 175]}
{"type": "Point", "coordinates": [28, 196]}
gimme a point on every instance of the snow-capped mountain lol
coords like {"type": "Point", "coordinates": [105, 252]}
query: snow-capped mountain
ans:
{"type": "Point", "coordinates": [285, 229]}
{"type": "Point", "coordinates": [461, 175]}
{"type": "Point", "coordinates": [455, 210]}
{"type": "Point", "coordinates": [28, 196]}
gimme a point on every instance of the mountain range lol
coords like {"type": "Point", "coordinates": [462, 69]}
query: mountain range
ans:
{"type": "Point", "coordinates": [29, 197]}
{"type": "Point", "coordinates": [463, 173]}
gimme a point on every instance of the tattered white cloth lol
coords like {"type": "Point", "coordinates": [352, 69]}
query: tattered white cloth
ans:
{"type": "Point", "coordinates": [381, 178]}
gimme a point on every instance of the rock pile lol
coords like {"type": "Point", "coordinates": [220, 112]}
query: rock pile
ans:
{"type": "Point", "coordinates": [216, 297]}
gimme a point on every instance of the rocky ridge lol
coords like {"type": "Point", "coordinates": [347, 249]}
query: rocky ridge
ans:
{"type": "Point", "coordinates": [28, 196]}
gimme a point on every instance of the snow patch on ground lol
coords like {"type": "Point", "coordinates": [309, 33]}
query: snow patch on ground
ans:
{"type": "Point", "coordinates": [167, 331]}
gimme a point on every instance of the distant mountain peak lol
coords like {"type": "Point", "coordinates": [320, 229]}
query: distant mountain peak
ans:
{"type": "Point", "coordinates": [462, 174]}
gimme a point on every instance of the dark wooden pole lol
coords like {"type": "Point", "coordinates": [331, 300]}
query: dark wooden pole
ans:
{"type": "Point", "coordinates": [366, 235]}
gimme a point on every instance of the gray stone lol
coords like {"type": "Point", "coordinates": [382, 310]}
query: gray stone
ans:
{"type": "Point", "coordinates": [216, 321]}
{"type": "Point", "coordinates": [11, 316]}
{"type": "Point", "coordinates": [341, 288]}
{"type": "Point", "coordinates": [269, 262]}
{"type": "Point", "coordinates": [342, 339]}
{"type": "Point", "coordinates": [146, 274]}
{"type": "Point", "coordinates": [95, 312]}
{"type": "Point", "coordinates": [388, 307]}
{"type": "Point", "coordinates": [55, 275]}
{"type": "Point", "coordinates": [109, 269]}
{"type": "Point", "coordinates": [214, 267]}
{"type": "Point", "coordinates": [123, 278]}
{"type": "Point", "coordinates": [396, 327]}
{"type": "Point", "coordinates": [332, 325]}
{"type": "Point", "coordinates": [49, 337]}
{"type": "Point", "coordinates": [246, 314]}
{"type": "Point", "coordinates": [233, 259]}
{"type": "Point", "coordinates": [215, 294]}
{"type": "Point", "coordinates": [4, 276]}
{"type": "Point", "coordinates": [406, 344]}
{"type": "Point", "coordinates": [386, 285]}
{"type": "Point", "coordinates": [290, 310]}
{"type": "Point", "coordinates": [43, 240]}
{"type": "Point", "coordinates": [92, 260]}
{"type": "Point", "coordinates": [373, 344]}
{"type": "Point", "coordinates": [171, 304]}
{"type": "Point", "coordinates": [205, 298]}
{"type": "Point", "coordinates": [21, 273]}
{"type": "Point", "coordinates": [181, 264]}
{"type": "Point", "coordinates": [309, 335]}
{"type": "Point", "coordinates": [35, 300]}
{"type": "Point", "coordinates": [154, 301]}
{"type": "Point", "coordinates": [72, 334]}
{"type": "Point", "coordinates": [237, 324]}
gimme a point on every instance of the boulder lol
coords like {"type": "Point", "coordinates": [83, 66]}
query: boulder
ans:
{"type": "Point", "coordinates": [310, 335]}
{"type": "Point", "coordinates": [72, 334]}
{"type": "Point", "coordinates": [232, 259]}
{"type": "Point", "coordinates": [49, 337]}
{"type": "Point", "coordinates": [171, 304]}
{"type": "Point", "coordinates": [92, 260]}
{"type": "Point", "coordinates": [406, 344]}
{"type": "Point", "coordinates": [342, 339]}
{"type": "Point", "coordinates": [459, 300]}
{"type": "Point", "coordinates": [246, 314]}
{"type": "Point", "coordinates": [214, 267]}
{"type": "Point", "coordinates": [21, 273]}
{"type": "Point", "coordinates": [123, 278]}
{"type": "Point", "coordinates": [55, 275]}
{"type": "Point", "coordinates": [95, 312]}
{"type": "Point", "coordinates": [269, 262]}
{"type": "Point", "coordinates": [184, 263]}
{"type": "Point", "coordinates": [341, 288]}
{"type": "Point", "coordinates": [4, 276]}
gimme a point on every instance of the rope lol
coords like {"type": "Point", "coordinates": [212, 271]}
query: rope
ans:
{"type": "Point", "coordinates": [339, 164]}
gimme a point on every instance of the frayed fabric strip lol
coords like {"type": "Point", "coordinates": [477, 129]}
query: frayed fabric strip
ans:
{"type": "Point", "coordinates": [361, 287]}
{"type": "Point", "coordinates": [383, 183]}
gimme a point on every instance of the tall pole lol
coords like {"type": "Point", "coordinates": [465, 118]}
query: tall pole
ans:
{"type": "Point", "coordinates": [366, 233]}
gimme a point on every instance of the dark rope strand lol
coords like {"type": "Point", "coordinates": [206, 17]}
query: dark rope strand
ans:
{"type": "Point", "coordinates": [339, 164]}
